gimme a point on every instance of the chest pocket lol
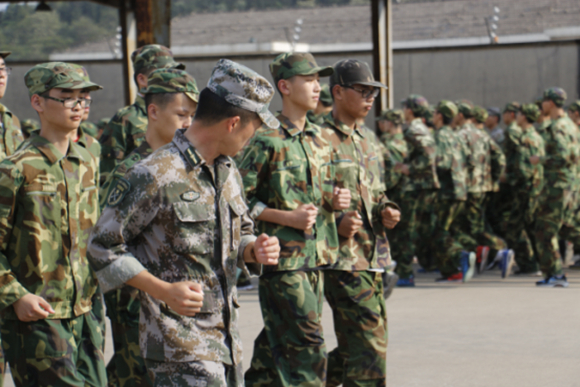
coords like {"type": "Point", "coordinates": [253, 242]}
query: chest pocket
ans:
{"type": "Point", "coordinates": [345, 170]}
{"type": "Point", "coordinates": [288, 176]}
{"type": "Point", "coordinates": [195, 225]}
{"type": "Point", "coordinates": [238, 209]}
{"type": "Point", "coordinates": [43, 200]}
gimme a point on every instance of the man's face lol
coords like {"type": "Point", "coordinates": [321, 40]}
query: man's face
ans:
{"type": "Point", "coordinates": [87, 110]}
{"type": "Point", "coordinates": [3, 77]}
{"type": "Point", "coordinates": [491, 122]}
{"type": "Point", "coordinates": [547, 106]}
{"type": "Point", "coordinates": [304, 90]}
{"type": "Point", "coordinates": [354, 103]}
{"type": "Point", "coordinates": [437, 120]}
{"type": "Point", "coordinates": [521, 119]}
{"type": "Point", "coordinates": [177, 114]}
{"type": "Point", "coordinates": [508, 117]}
{"type": "Point", "coordinates": [58, 116]}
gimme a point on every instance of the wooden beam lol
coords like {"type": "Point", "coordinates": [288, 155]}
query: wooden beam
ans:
{"type": "Point", "coordinates": [153, 22]}
{"type": "Point", "coordinates": [381, 24]}
{"type": "Point", "coordinates": [129, 44]}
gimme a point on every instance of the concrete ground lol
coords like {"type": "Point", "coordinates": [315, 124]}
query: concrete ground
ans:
{"type": "Point", "coordinates": [488, 332]}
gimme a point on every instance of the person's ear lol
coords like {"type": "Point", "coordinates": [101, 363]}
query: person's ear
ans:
{"type": "Point", "coordinates": [232, 123]}
{"type": "Point", "coordinates": [141, 79]}
{"type": "Point", "coordinates": [283, 87]}
{"type": "Point", "coordinates": [37, 103]}
{"type": "Point", "coordinates": [337, 92]}
{"type": "Point", "coordinates": [153, 111]}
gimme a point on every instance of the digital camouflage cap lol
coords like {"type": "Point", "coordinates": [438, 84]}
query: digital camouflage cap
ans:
{"type": "Point", "coordinates": [530, 111]}
{"type": "Point", "coordinates": [46, 76]}
{"type": "Point", "coordinates": [171, 81]}
{"type": "Point", "coordinates": [350, 72]}
{"type": "Point", "coordinates": [446, 108]}
{"type": "Point", "coordinates": [574, 106]}
{"type": "Point", "coordinates": [395, 116]}
{"type": "Point", "coordinates": [325, 96]}
{"type": "Point", "coordinates": [153, 56]}
{"type": "Point", "coordinates": [289, 64]}
{"type": "Point", "coordinates": [512, 107]}
{"type": "Point", "coordinates": [417, 103]}
{"type": "Point", "coordinates": [4, 54]}
{"type": "Point", "coordinates": [556, 95]}
{"type": "Point", "coordinates": [480, 114]}
{"type": "Point", "coordinates": [244, 88]}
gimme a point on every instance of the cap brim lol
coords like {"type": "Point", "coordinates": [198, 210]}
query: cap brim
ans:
{"type": "Point", "coordinates": [374, 84]}
{"type": "Point", "coordinates": [269, 120]}
{"type": "Point", "coordinates": [179, 66]}
{"type": "Point", "coordinates": [90, 86]}
{"type": "Point", "coordinates": [4, 54]}
{"type": "Point", "coordinates": [322, 71]}
{"type": "Point", "coordinates": [194, 97]}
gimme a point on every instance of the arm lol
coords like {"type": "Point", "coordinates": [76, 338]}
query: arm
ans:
{"type": "Point", "coordinates": [444, 158]}
{"type": "Point", "coordinates": [558, 151]}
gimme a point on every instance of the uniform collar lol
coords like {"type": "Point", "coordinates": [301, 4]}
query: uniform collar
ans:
{"type": "Point", "coordinates": [51, 153]}
{"type": "Point", "coordinates": [337, 124]}
{"type": "Point", "coordinates": [191, 154]}
{"type": "Point", "coordinates": [140, 103]}
{"type": "Point", "coordinates": [4, 109]}
{"type": "Point", "coordinates": [291, 129]}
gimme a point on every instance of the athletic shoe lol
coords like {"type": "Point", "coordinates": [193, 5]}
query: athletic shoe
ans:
{"type": "Point", "coordinates": [467, 265]}
{"type": "Point", "coordinates": [482, 254]}
{"type": "Point", "coordinates": [389, 283]}
{"type": "Point", "coordinates": [553, 281]}
{"type": "Point", "coordinates": [245, 285]}
{"type": "Point", "coordinates": [507, 262]}
{"type": "Point", "coordinates": [458, 277]}
{"type": "Point", "coordinates": [406, 282]}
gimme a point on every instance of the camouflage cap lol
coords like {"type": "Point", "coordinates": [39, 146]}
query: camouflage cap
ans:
{"type": "Point", "coordinates": [531, 111]}
{"type": "Point", "coordinates": [4, 54]}
{"type": "Point", "coordinates": [171, 81]}
{"type": "Point", "coordinates": [395, 116]}
{"type": "Point", "coordinates": [446, 108]}
{"type": "Point", "coordinates": [538, 101]}
{"type": "Point", "coordinates": [465, 107]}
{"type": "Point", "coordinates": [325, 96]}
{"type": "Point", "coordinates": [153, 56]}
{"type": "Point", "coordinates": [46, 76]}
{"type": "Point", "coordinates": [244, 88]}
{"type": "Point", "coordinates": [81, 71]}
{"type": "Point", "coordinates": [574, 106]}
{"type": "Point", "coordinates": [289, 64]}
{"type": "Point", "coordinates": [480, 114]}
{"type": "Point", "coordinates": [512, 107]}
{"type": "Point", "coordinates": [102, 123]}
{"type": "Point", "coordinates": [350, 72]}
{"type": "Point", "coordinates": [556, 95]}
{"type": "Point", "coordinates": [417, 103]}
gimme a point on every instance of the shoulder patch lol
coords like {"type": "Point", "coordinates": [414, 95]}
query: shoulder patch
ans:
{"type": "Point", "coordinates": [118, 192]}
{"type": "Point", "coordinates": [190, 196]}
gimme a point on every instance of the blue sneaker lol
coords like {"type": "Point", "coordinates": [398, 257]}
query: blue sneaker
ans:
{"type": "Point", "coordinates": [406, 282]}
{"type": "Point", "coordinates": [467, 263]}
{"type": "Point", "coordinates": [553, 282]}
{"type": "Point", "coordinates": [507, 262]}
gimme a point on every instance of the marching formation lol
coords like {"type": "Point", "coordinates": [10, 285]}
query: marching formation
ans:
{"type": "Point", "coordinates": [187, 192]}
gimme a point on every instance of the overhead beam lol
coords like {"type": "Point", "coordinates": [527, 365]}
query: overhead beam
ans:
{"type": "Point", "coordinates": [381, 24]}
{"type": "Point", "coordinates": [153, 22]}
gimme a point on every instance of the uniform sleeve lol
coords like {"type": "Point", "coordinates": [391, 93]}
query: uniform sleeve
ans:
{"type": "Point", "coordinates": [444, 157]}
{"type": "Point", "coordinates": [424, 153]}
{"type": "Point", "coordinates": [118, 225]}
{"type": "Point", "coordinates": [558, 151]}
{"type": "Point", "coordinates": [112, 145]}
{"type": "Point", "coordinates": [10, 181]}
{"type": "Point", "coordinates": [254, 168]}
{"type": "Point", "coordinates": [498, 161]}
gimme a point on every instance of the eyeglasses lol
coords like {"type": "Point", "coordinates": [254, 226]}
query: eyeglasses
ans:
{"type": "Point", "coordinates": [6, 70]}
{"type": "Point", "coordinates": [366, 93]}
{"type": "Point", "coordinates": [70, 103]}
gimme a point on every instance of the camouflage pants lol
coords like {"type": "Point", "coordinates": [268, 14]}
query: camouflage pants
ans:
{"type": "Point", "coordinates": [290, 350]}
{"type": "Point", "coordinates": [194, 374]}
{"type": "Point", "coordinates": [472, 228]}
{"type": "Point", "coordinates": [554, 210]}
{"type": "Point", "coordinates": [446, 248]}
{"type": "Point", "coordinates": [360, 323]}
{"type": "Point", "coordinates": [570, 230]}
{"type": "Point", "coordinates": [415, 224]}
{"type": "Point", "coordinates": [66, 352]}
{"type": "Point", "coordinates": [126, 368]}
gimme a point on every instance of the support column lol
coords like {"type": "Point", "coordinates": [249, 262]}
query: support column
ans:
{"type": "Point", "coordinates": [153, 22]}
{"type": "Point", "coordinates": [129, 44]}
{"type": "Point", "coordinates": [381, 24]}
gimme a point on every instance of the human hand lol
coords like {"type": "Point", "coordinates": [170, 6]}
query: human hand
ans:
{"type": "Point", "coordinates": [304, 217]}
{"type": "Point", "coordinates": [350, 224]}
{"type": "Point", "coordinates": [185, 298]}
{"type": "Point", "coordinates": [390, 217]}
{"type": "Point", "coordinates": [341, 198]}
{"type": "Point", "coordinates": [267, 250]}
{"type": "Point", "coordinates": [32, 308]}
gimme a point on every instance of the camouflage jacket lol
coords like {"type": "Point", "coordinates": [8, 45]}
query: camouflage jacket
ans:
{"type": "Point", "coordinates": [317, 119]}
{"type": "Point", "coordinates": [180, 219]}
{"type": "Point", "coordinates": [124, 133]}
{"type": "Point", "coordinates": [284, 168]}
{"type": "Point", "coordinates": [121, 169]}
{"type": "Point", "coordinates": [561, 160]}
{"type": "Point", "coordinates": [48, 204]}
{"type": "Point", "coordinates": [10, 134]}
{"type": "Point", "coordinates": [421, 157]}
{"type": "Point", "coordinates": [90, 128]}
{"type": "Point", "coordinates": [531, 176]}
{"type": "Point", "coordinates": [356, 163]}
{"type": "Point", "coordinates": [395, 151]}
{"type": "Point", "coordinates": [513, 135]}
{"type": "Point", "coordinates": [542, 129]}
{"type": "Point", "coordinates": [487, 160]}
{"type": "Point", "coordinates": [90, 143]}
{"type": "Point", "coordinates": [451, 165]}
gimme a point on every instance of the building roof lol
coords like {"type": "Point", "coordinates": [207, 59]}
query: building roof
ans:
{"type": "Point", "coordinates": [417, 24]}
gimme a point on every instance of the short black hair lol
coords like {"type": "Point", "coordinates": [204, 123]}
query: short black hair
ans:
{"type": "Point", "coordinates": [212, 109]}
{"type": "Point", "coordinates": [529, 120]}
{"type": "Point", "coordinates": [145, 72]}
{"type": "Point", "coordinates": [159, 99]}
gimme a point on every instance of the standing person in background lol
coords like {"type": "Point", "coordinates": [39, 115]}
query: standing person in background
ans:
{"type": "Point", "coordinates": [492, 125]}
{"type": "Point", "coordinates": [323, 107]}
{"type": "Point", "coordinates": [574, 112]}
{"type": "Point", "coordinates": [353, 286]}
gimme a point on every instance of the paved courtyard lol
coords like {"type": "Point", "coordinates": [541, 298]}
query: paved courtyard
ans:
{"type": "Point", "coordinates": [489, 332]}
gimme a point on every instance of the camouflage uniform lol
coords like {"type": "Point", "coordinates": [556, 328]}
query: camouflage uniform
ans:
{"type": "Point", "coordinates": [28, 127]}
{"type": "Point", "coordinates": [284, 168]}
{"type": "Point", "coordinates": [90, 128]}
{"type": "Point", "coordinates": [395, 150]}
{"type": "Point", "coordinates": [205, 227]}
{"type": "Point", "coordinates": [127, 368]}
{"type": "Point", "coordinates": [126, 130]}
{"type": "Point", "coordinates": [48, 259]}
{"type": "Point", "coordinates": [418, 190]}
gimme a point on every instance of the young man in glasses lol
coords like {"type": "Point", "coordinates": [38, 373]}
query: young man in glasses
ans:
{"type": "Point", "coordinates": [353, 286]}
{"type": "Point", "coordinates": [48, 204]}
{"type": "Point", "coordinates": [288, 180]}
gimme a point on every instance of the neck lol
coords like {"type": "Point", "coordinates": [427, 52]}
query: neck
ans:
{"type": "Point", "coordinates": [557, 113]}
{"type": "Point", "coordinates": [200, 136]}
{"type": "Point", "coordinates": [342, 116]}
{"type": "Point", "coordinates": [58, 138]}
{"type": "Point", "coordinates": [153, 139]}
{"type": "Point", "coordinates": [526, 125]}
{"type": "Point", "coordinates": [295, 114]}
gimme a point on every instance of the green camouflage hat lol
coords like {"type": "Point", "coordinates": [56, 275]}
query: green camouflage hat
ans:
{"type": "Point", "coordinates": [325, 96]}
{"type": "Point", "coordinates": [556, 95]}
{"type": "Point", "coordinates": [428, 115]}
{"type": "Point", "coordinates": [574, 106]}
{"type": "Point", "coordinates": [289, 64]}
{"type": "Point", "coordinates": [512, 107]}
{"type": "Point", "coordinates": [531, 111]}
{"type": "Point", "coordinates": [395, 116]}
{"type": "Point", "coordinates": [447, 109]}
{"type": "Point", "coordinates": [350, 72]}
{"type": "Point", "coordinates": [244, 88]}
{"type": "Point", "coordinates": [153, 56]}
{"type": "Point", "coordinates": [465, 107]}
{"type": "Point", "coordinates": [4, 54]}
{"type": "Point", "coordinates": [538, 101]}
{"type": "Point", "coordinates": [81, 71]}
{"type": "Point", "coordinates": [46, 76]}
{"type": "Point", "coordinates": [480, 114]}
{"type": "Point", "coordinates": [171, 81]}
{"type": "Point", "coordinates": [417, 103]}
